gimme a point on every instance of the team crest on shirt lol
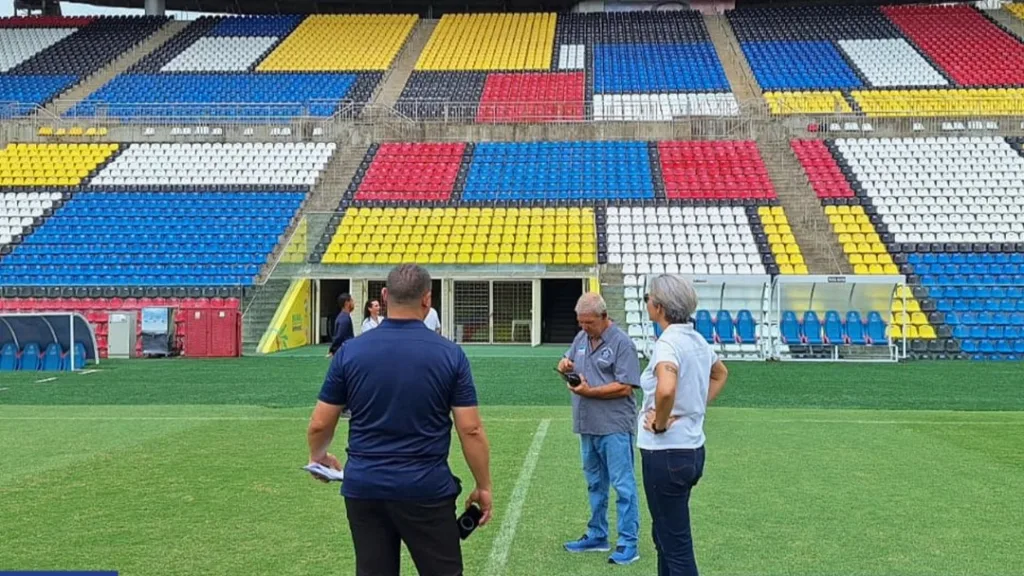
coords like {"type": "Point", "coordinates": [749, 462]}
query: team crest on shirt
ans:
{"type": "Point", "coordinates": [606, 354]}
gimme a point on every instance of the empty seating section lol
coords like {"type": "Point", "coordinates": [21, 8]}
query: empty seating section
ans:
{"type": "Point", "coordinates": [811, 102]}
{"type": "Point", "coordinates": [490, 42]}
{"type": "Point", "coordinates": [153, 239]}
{"type": "Point", "coordinates": [559, 171]}
{"type": "Point", "coordinates": [20, 44]}
{"type": "Point", "coordinates": [297, 248]}
{"type": "Point", "coordinates": [221, 54]}
{"type": "Point", "coordinates": [217, 165]}
{"type": "Point", "coordinates": [42, 57]}
{"type": "Point", "coordinates": [336, 43]}
{"type": "Point", "coordinates": [969, 47]}
{"type": "Point", "coordinates": [799, 66]}
{"type": "Point", "coordinates": [20, 211]}
{"type": "Point", "coordinates": [918, 60]}
{"type": "Point", "coordinates": [290, 66]}
{"type": "Point", "coordinates": [891, 62]}
{"type": "Point", "coordinates": [684, 240]}
{"type": "Point", "coordinates": [810, 328]}
{"type": "Point", "coordinates": [950, 211]}
{"type": "Point", "coordinates": [714, 170]}
{"type": "Point", "coordinates": [395, 172]}
{"type": "Point", "coordinates": [51, 165]}
{"type": "Point", "coordinates": [543, 67]}
{"type": "Point", "coordinates": [532, 97]}
{"type": "Point", "coordinates": [382, 236]}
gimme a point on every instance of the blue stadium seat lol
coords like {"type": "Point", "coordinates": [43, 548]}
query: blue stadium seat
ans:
{"type": "Point", "coordinates": [53, 358]}
{"type": "Point", "coordinates": [78, 357]}
{"type": "Point", "coordinates": [657, 68]}
{"type": "Point", "coordinates": [282, 95]}
{"type": "Point", "coordinates": [724, 327]}
{"type": "Point", "coordinates": [833, 328]}
{"type": "Point", "coordinates": [30, 357]}
{"type": "Point", "coordinates": [554, 171]}
{"type": "Point", "coordinates": [855, 328]}
{"type": "Point", "coordinates": [746, 330]}
{"type": "Point", "coordinates": [799, 66]}
{"type": "Point", "coordinates": [876, 329]}
{"type": "Point", "coordinates": [20, 94]}
{"type": "Point", "coordinates": [279, 25]}
{"type": "Point", "coordinates": [703, 324]}
{"type": "Point", "coordinates": [812, 328]}
{"type": "Point", "coordinates": [9, 357]}
{"type": "Point", "coordinates": [153, 239]}
{"type": "Point", "coordinates": [789, 328]}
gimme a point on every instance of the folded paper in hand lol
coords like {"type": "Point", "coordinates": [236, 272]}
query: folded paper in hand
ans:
{"type": "Point", "coordinates": [325, 472]}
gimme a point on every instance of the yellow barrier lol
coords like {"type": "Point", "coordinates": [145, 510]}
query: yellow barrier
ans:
{"type": "Point", "coordinates": [291, 325]}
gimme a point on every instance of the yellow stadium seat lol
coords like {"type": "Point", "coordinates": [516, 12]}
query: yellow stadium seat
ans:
{"type": "Point", "coordinates": [50, 164]}
{"type": "Point", "coordinates": [334, 43]}
{"type": "Point", "coordinates": [918, 318]}
{"type": "Point", "coordinates": [490, 42]}
{"type": "Point", "coordinates": [941, 102]}
{"type": "Point", "coordinates": [894, 331]}
{"type": "Point", "coordinates": [395, 235]}
{"type": "Point", "coordinates": [926, 331]}
{"type": "Point", "coordinates": [827, 102]}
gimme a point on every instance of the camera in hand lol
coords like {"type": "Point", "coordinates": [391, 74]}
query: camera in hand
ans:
{"type": "Point", "coordinates": [571, 378]}
{"type": "Point", "coordinates": [469, 520]}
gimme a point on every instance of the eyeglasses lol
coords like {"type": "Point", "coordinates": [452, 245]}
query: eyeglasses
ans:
{"type": "Point", "coordinates": [647, 297]}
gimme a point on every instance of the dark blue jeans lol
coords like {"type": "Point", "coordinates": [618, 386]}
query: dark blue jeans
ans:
{"type": "Point", "coordinates": [669, 475]}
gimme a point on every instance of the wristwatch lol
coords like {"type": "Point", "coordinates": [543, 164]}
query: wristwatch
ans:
{"type": "Point", "coordinates": [654, 428]}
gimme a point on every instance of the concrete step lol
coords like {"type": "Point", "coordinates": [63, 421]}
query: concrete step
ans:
{"type": "Point", "coordinates": [1008, 21]}
{"type": "Point", "coordinates": [810, 226]}
{"type": "Point", "coordinates": [79, 92]}
{"type": "Point", "coordinates": [740, 77]}
{"type": "Point", "coordinates": [403, 67]}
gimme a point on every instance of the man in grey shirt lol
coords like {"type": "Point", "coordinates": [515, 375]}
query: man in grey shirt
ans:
{"type": "Point", "coordinates": [604, 415]}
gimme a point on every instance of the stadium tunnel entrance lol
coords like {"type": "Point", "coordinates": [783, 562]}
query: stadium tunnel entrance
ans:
{"type": "Point", "coordinates": [327, 306]}
{"type": "Point", "coordinates": [558, 314]}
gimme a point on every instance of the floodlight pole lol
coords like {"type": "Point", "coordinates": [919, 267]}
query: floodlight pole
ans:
{"type": "Point", "coordinates": [155, 7]}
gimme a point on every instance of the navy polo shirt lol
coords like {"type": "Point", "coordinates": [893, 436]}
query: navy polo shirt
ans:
{"type": "Point", "coordinates": [400, 381]}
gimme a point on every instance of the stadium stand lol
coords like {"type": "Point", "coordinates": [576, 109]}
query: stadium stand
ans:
{"type": "Point", "coordinates": [150, 215]}
{"type": "Point", "coordinates": [885, 61]}
{"type": "Point", "coordinates": [568, 67]}
{"type": "Point", "coordinates": [949, 210]}
{"type": "Point", "coordinates": [258, 66]}
{"type": "Point", "coordinates": [42, 57]}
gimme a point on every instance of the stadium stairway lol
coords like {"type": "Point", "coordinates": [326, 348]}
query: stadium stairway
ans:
{"type": "Point", "coordinates": [65, 101]}
{"type": "Point", "coordinates": [400, 71]}
{"type": "Point", "coordinates": [744, 87]}
{"type": "Point", "coordinates": [1007, 21]}
{"type": "Point", "coordinates": [613, 291]}
{"type": "Point", "coordinates": [811, 228]}
{"type": "Point", "coordinates": [259, 310]}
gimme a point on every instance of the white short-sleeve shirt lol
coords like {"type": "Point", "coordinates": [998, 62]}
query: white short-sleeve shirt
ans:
{"type": "Point", "coordinates": [683, 346]}
{"type": "Point", "coordinates": [432, 321]}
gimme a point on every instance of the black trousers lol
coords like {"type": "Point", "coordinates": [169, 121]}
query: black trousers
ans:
{"type": "Point", "coordinates": [428, 529]}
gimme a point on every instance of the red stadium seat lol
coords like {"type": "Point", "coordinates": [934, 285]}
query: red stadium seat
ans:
{"type": "Point", "coordinates": [412, 172]}
{"type": "Point", "coordinates": [824, 174]}
{"type": "Point", "coordinates": [714, 171]}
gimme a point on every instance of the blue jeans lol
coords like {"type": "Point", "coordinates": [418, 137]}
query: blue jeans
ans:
{"type": "Point", "coordinates": [669, 475]}
{"type": "Point", "coordinates": [608, 460]}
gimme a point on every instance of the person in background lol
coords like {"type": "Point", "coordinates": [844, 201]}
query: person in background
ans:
{"type": "Point", "coordinates": [404, 385]}
{"type": "Point", "coordinates": [343, 323]}
{"type": "Point", "coordinates": [371, 315]}
{"type": "Point", "coordinates": [683, 375]}
{"type": "Point", "coordinates": [432, 321]}
{"type": "Point", "coordinates": [604, 415]}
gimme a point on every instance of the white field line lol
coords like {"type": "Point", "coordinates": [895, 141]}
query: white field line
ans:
{"type": "Point", "coordinates": [45, 380]}
{"type": "Point", "coordinates": [507, 532]}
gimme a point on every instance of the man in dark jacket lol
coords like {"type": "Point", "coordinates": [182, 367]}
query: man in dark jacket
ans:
{"type": "Point", "coordinates": [343, 323]}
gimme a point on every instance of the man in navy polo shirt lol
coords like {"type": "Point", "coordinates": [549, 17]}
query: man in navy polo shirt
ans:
{"type": "Point", "coordinates": [403, 384]}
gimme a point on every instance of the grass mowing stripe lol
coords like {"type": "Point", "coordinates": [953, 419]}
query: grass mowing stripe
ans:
{"type": "Point", "coordinates": [507, 533]}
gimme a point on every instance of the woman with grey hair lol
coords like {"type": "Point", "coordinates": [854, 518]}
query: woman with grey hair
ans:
{"type": "Point", "coordinates": [683, 375]}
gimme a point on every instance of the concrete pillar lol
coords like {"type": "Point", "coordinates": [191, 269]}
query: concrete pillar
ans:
{"type": "Point", "coordinates": [155, 7]}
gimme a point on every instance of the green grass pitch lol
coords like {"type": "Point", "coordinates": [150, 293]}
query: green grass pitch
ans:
{"type": "Point", "coordinates": [184, 467]}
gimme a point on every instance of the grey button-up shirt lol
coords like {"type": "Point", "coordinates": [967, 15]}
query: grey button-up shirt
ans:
{"type": "Point", "coordinates": [614, 359]}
